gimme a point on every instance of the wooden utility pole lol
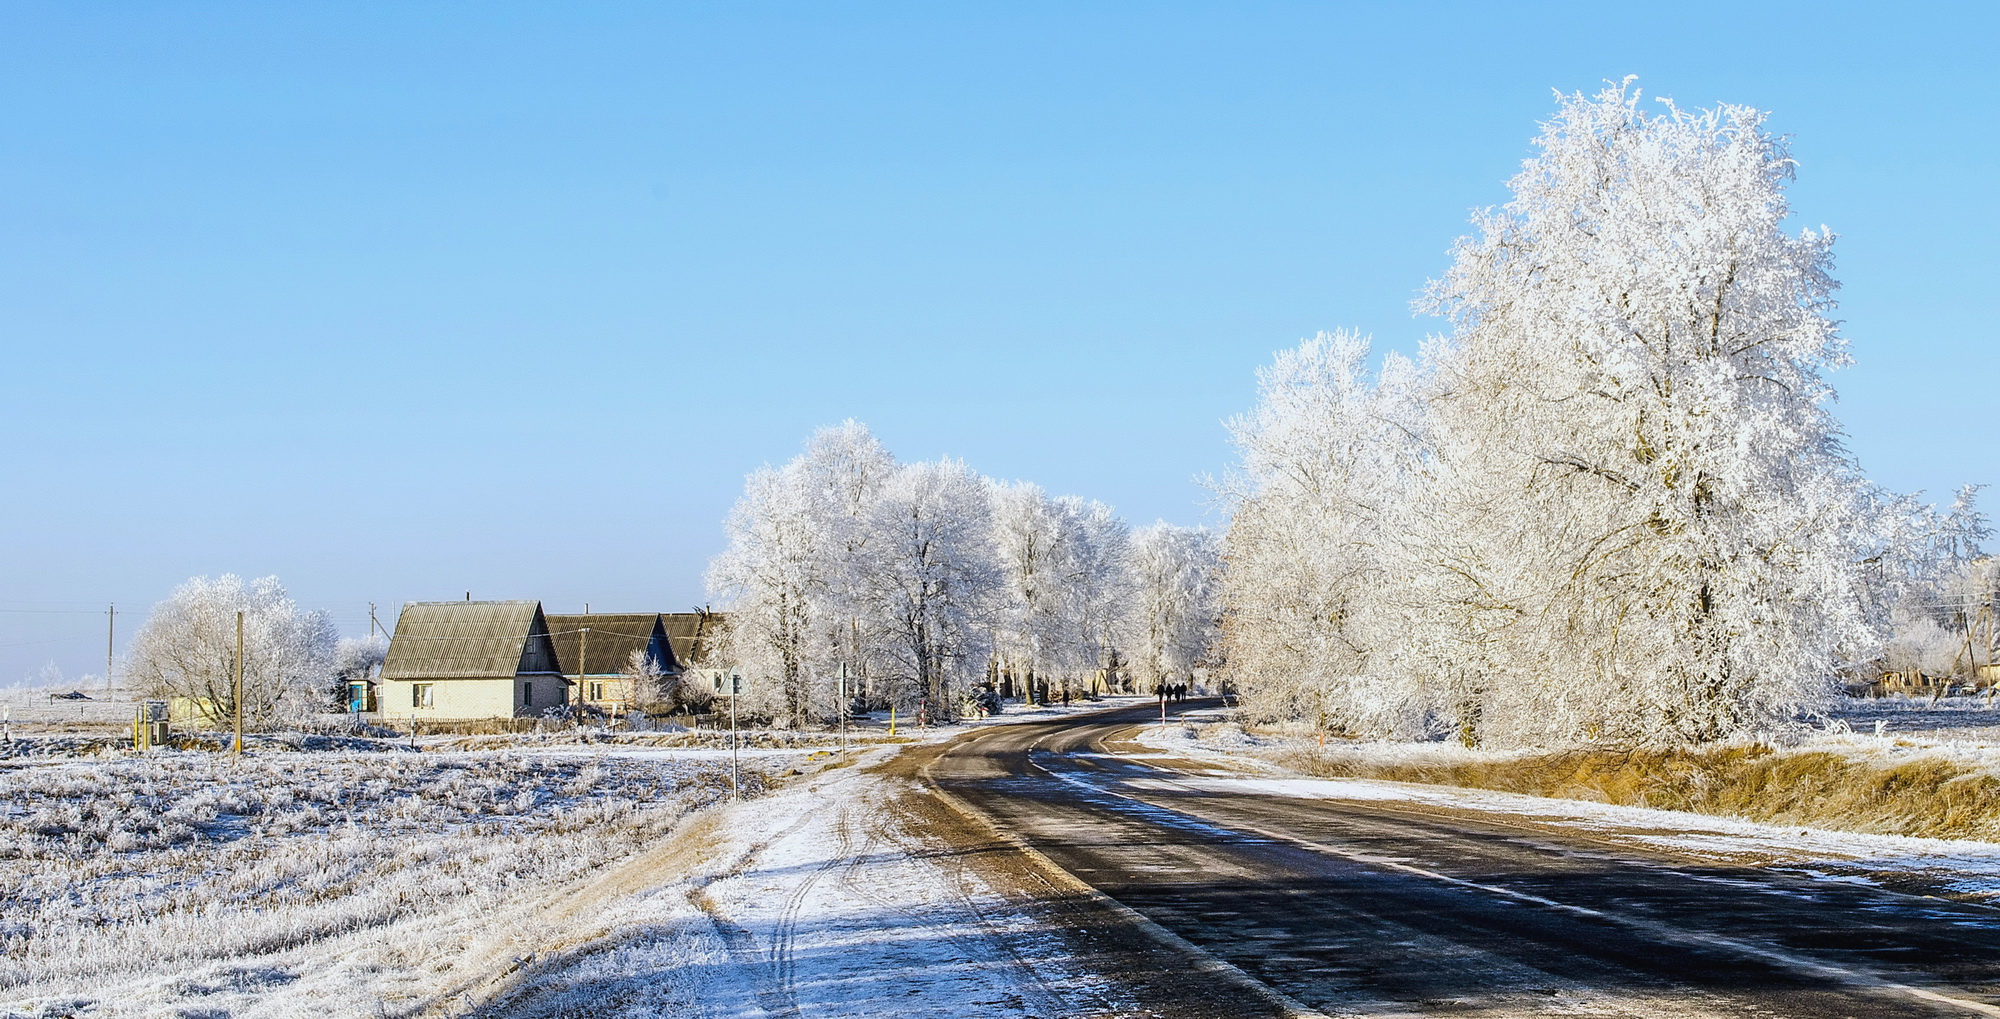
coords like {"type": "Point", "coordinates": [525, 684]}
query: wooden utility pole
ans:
{"type": "Point", "coordinates": [110, 635]}
{"type": "Point", "coordinates": [238, 750]}
{"type": "Point", "coordinates": [582, 647]}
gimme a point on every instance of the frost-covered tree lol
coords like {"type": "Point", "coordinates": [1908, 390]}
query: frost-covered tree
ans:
{"type": "Point", "coordinates": [771, 575]}
{"type": "Point", "coordinates": [1175, 611]}
{"type": "Point", "coordinates": [187, 648]}
{"type": "Point", "coordinates": [792, 573]}
{"type": "Point", "coordinates": [642, 683]}
{"type": "Point", "coordinates": [1613, 501]}
{"type": "Point", "coordinates": [1319, 579]}
{"type": "Point", "coordinates": [843, 472]}
{"type": "Point", "coordinates": [1098, 583]}
{"type": "Point", "coordinates": [1031, 618]}
{"type": "Point", "coordinates": [1919, 646]}
{"type": "Point", "coordinates": [1065, 584]}
{"type": "Point", "coordinates": [1654, 508]}
{"type": "Point", "coordinates": [911, 577]}
{"type": "Point", "coordinates": [930, 581]}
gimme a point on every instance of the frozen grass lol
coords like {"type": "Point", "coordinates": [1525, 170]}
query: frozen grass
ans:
{"type": "Point", "coordinates": [136, 882]}
{"type": "Point", "coordinates": [1926, 786]}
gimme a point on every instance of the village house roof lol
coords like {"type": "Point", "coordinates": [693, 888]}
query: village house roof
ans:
{"type": "Point", "coordinates": [466, 640]}
{"type": "Point", "coordinates": [613, 638]}
{"type": "Point", "coordinates": [692, 635]}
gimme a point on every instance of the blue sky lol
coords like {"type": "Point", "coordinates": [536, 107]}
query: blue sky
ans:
{"type": "Point", "coordinates": [407, 300]}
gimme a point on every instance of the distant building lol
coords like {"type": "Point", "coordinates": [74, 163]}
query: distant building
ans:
{"type": "Point", "coordinates": [461, 661]}
{"type": "Point", "coordinates": [694, 636]}
{"type": "Point", "coordinates": [596, 651]}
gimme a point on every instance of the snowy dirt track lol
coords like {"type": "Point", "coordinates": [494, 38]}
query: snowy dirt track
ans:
{"type": "Point", "coordinates": [831, 897]}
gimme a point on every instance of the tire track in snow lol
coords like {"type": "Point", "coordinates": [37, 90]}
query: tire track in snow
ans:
{"type": "Point", "coordinates": [994, 935]}
{"type": "Point", "coordinates": [784, 934]}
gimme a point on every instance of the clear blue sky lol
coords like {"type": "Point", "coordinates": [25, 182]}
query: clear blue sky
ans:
{"type": "Point", "coordinates": [399, 301]}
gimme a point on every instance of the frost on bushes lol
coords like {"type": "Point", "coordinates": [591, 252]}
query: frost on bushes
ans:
{"type": "Point", "coordinates": [146, 864]}
{"type": "Point", "coordinates": [1612, 503]}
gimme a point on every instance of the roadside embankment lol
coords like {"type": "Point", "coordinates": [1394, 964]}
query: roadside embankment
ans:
{"type": "Point", "coordinates": [1835, 780]}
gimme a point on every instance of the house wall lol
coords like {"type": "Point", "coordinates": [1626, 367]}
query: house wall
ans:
{"type": "Point", "coordinates": [455, 700]}
{"type": "Point", "coordinates": [616, 686]}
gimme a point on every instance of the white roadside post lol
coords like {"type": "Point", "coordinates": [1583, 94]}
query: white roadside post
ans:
{"type": "Point", "coordinates": [735, 765]}
{"type": "Point", "coordinates": [843, 711]}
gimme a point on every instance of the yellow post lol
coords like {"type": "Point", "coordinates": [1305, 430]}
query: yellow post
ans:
{"type": "Point", "coordinates": [892, 719]}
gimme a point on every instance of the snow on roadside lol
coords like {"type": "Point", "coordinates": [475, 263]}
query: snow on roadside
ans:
{"type": "Point", "coordinates": [822, 898]}
{"type": "Point", "coordinates": [1960, 867]}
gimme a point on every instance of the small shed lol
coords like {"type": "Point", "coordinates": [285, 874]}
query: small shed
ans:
{"type": "Point", "coordinates": [469, 660]}
{"type": "Point", "coordinates": [596, 651]}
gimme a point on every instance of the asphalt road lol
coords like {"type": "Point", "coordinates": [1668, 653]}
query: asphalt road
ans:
{"type": "Point", "coordinates": [1356, 907]}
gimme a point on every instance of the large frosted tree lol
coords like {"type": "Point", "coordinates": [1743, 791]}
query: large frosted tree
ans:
{"type": "Point", "coordinates": [1647, 496]}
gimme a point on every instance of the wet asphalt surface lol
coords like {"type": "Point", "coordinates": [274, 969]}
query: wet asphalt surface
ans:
{"type": "Point", "coordinates": [1359, 907]}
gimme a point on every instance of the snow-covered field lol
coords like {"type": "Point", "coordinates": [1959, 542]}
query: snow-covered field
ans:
{"type": "Point", "coordinates": [188, 883]}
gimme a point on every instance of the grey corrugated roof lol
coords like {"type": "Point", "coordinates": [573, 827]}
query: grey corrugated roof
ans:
{"type": "Point", "coordinates": [460, 639]}
{"type": "Point", "coordinates": [613, 638]}
{"type": "Point", "coordinates": [690, 635]}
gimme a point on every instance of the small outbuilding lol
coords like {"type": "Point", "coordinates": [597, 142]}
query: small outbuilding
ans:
{"type": "Point", "coordinates": [463, 661]}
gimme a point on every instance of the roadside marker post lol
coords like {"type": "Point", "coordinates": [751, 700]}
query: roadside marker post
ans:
{"type": "Point", "coordinates": [735, 765]}
{"type": "Point", "coordinates": [843, 711]}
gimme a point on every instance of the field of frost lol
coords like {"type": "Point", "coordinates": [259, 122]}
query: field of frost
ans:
{"type": "Point", "coordinates": [189, 883]}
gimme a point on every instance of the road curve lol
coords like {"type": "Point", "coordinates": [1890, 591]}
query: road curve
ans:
{"type": "Point", "coordinates": [1349, 907]}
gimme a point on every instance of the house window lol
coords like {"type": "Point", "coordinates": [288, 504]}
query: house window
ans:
{"type": "Point", "coordinates": [596, 690]}
{"type": "Point", "coordinates": [527, 695]}
{"type": "Point", "coordinates": [420, 695]}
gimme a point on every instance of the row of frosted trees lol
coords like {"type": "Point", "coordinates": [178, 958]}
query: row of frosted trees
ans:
{"type": "Point", "coordinates": [917, 582]}
{"type": "Point", "coordinates": [1612, 501]}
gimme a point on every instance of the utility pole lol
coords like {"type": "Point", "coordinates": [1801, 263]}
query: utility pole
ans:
{"type": "Point", "coordinates": [110, 636]}
{"type": "Point", "coordinates": [373, 626]}
{"type": "Point", "coordinates": [843, 711]}
{"type": "Point", "coordinates": [582, 647]}
{"type": "Point", "coordinates": [238, 751]}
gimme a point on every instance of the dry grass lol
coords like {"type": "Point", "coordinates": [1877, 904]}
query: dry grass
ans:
{"type": "Point", "coordinates": [1921, 794]}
